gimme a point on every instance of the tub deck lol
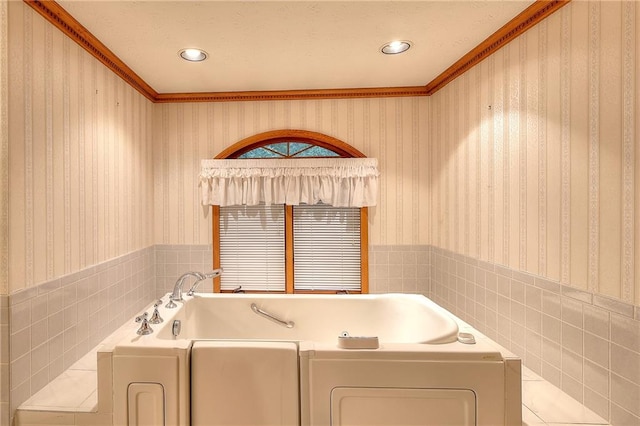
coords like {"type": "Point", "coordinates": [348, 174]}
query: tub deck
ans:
{"type": "Point", "coordinates": [73, 397]}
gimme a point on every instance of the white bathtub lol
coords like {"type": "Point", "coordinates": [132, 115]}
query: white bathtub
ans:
{"type": "Point", "coordinates": [393, 318]}
{"type": "Point", "coordinates": [231, 365]}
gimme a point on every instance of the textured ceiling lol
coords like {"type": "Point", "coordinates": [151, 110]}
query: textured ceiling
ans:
{"type": "Point", "coordinates": [290, 45]}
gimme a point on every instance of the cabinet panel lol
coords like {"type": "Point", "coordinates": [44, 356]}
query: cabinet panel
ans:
{"type": "Point", "coordinates": [395, 406]}
{"type": "Point", "coordinates": [145, 404]}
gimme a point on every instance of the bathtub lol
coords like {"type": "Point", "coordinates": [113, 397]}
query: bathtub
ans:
{"type": "Point", "coordinates": [394, 318]}
{"type": "Point", "coordinates": [244, 359]}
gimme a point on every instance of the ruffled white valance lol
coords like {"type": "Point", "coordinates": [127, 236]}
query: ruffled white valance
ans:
{"type": "Point", "coordinates": [340, 182]}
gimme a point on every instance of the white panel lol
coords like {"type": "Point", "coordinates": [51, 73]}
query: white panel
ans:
{"type": "Point", "coordinates": [244, 383]}
{"type": "Point", "coordinates": [146, 404]}
{"type": "Point", "coordinates": [389, 406]}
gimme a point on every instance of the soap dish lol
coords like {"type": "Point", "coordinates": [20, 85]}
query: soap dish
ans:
{"type": "Point", "coordinates": [466, 338]}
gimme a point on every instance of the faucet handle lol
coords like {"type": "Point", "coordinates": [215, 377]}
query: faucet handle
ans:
{"type": "Point", "coordinates": [145, 328]}
{"type": "Point", "coordinates": [158, 303]}
{"type": "Point", "coordinates": [142, 317]}
{"type": "Point", "coordinates": [155, 317]}
{"type": "Point", "coordinates": [192, 290]}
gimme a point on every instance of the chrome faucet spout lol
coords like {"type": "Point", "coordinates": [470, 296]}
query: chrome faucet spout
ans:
{"type": "Point", "coordinates": [213, 274]}
{"type": "Point", "coordinates": [176, 295]}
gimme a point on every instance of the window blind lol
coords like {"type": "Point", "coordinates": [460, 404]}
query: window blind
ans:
{"type": "Point", "coordinates": [252, 247]}
{"type": "Point", "coordinates": [326, 247]}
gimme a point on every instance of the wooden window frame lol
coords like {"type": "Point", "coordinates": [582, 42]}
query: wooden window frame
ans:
{"type": "Point", "coordinates": [345, 151]}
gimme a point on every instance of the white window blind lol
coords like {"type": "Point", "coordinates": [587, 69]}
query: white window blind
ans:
{"type": "Point", "coordinates": [252, 248]}
{"type": "Point", "coordinates": [326, 247]}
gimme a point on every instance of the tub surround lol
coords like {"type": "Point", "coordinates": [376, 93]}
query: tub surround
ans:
{"type": "Point", "coordinates": [319, 352]}
{"type": "Point", "coordinates": [542, 403]}
{"type": "Point", "coordinates": [166, 359]}
{"type": "Point", "coordinates": [399, 269]}
{"type": "Point", "coordinates": [85, 383]}
{"type": "Point", "coordinates": [392, 268]}
{"type": "Point", "coordinates": [548, 312]}
{"type": "Point", "coordinates": [586, 344]}
{"type": "Point", "coordinates": [54, 324]}
{"type": "Point", "coordinates": [173, 260]}
{"type": "Point", "coordinates": [463, 285]}
{"type": "Point", "coordinates": [4, 360]}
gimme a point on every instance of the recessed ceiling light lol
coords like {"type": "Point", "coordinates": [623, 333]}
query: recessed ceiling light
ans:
{"type": "Point", "coordinates": [395, 47]}
{"type": "Point", "coordinates": [193, 55]}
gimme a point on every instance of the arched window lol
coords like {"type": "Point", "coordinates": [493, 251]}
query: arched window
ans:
{"type": "Point", "coordinates": [291, 249]}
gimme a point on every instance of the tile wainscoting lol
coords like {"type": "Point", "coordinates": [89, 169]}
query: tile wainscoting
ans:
{"type": "Point", "coordinates": [587, 345]}
{"type": "Point", "coordinates": [399, 269]}
{"type": "Point", "coordinates": [174, 260]}
{"type": "Point", "coordinates": [392, 268]}
{"type": "Point", "coordinates": [4, 360]}
{"type": "Point", "coordinates": [54, 324]}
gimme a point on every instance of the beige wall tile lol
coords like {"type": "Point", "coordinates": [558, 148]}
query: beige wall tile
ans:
{"type": "Point", "coordinates": [572, 312]}
{"type": "Point", "coordinates": [625, 394]}
{"type": "Point", "coordinates": [572, 365]}
{"type": "Point", "coordinates": [551, 328]}
{"type": "Point", "coordinates": [596, 321]}
{"type": "Point", "coordinates": [596, 378]}
{"type": "Point", "coordinates": [620, 416]}
{"type": "Point", "coordinates": [596, 402]}
{"type": "Point", "coordinates": [596, 350]}
{"type": "Point", "coordinates": [572, 338]}
{"type": "Point", "coordinates": [625, 332]}
{"type": "Point", "coordinates": [20, 343]}
{"type": "Point", "coordinates": [625, 363]}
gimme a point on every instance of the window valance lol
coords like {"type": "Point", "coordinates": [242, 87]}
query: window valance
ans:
{"type": "Point", "coordinates": [340, 182]}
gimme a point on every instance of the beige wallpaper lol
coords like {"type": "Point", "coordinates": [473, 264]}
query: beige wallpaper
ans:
{"type": "Point", "coordinates": [532, 155]}
{"type": "Point", "coordinates": [4, 150]}
{"type": "Point", "coordinates": [535, 152]}
{"type": "Point", "coordinates": [80, 156]}
{"type": "Point", "coordinates": [394, 130]}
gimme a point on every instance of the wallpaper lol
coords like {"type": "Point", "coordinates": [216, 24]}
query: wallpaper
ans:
{"type": "Point", "coordinates": [528, 160]}
{"type": "Point", "coordinates": [80, 156]}
{"type": "Point", "coordinates": [4, 149]}
{"type": "Point", "coordinates": [535, 154]}
{"type": "Point", "coordinates": [394, 130]}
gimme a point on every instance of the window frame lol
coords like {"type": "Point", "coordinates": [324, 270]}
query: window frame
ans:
{"type": "Point", "coordinates": [344, 150]}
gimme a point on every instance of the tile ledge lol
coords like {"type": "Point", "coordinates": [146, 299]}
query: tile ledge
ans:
{"type": "Point", "coordinates": [531, 384]}
{"type": "Point", "coordinates": [42, 406]}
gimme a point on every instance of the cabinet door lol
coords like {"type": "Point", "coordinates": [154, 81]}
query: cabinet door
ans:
{"type": "Point", "coordinates": [244, 383]}
{"type": "Point", "coordinates": [398, 406]}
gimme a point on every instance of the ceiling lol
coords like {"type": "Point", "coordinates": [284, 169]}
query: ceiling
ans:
{"type": "Point", "coordinates": [290, 45]}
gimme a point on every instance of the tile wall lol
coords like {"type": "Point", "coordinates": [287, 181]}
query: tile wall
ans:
{"type": "Point", "coordinates": [585, 344]}
{"type": "Point", "coordinates": [4, 360]}
{"type": "Point", "coordinates": [399, 269]}
{"type": "Point", "coordinates": [392, 268]}
{"type": "Point", "coordinates": [55, 323]}
{"type": "Point", "coordinates": [171, 261]}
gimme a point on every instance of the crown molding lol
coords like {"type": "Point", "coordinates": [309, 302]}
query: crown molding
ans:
{"type": "Point", "coordinates": [512, 29]}
{"type": "Point", "coordinates": [61, 19]}
{"type": "Point", "coordinates": [288, 95]}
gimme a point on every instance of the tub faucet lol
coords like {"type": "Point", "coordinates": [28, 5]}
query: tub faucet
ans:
{"type": "Point", "coordinates": [213, 274]}
{"type": "Point", "coordinates": [176, 296]}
